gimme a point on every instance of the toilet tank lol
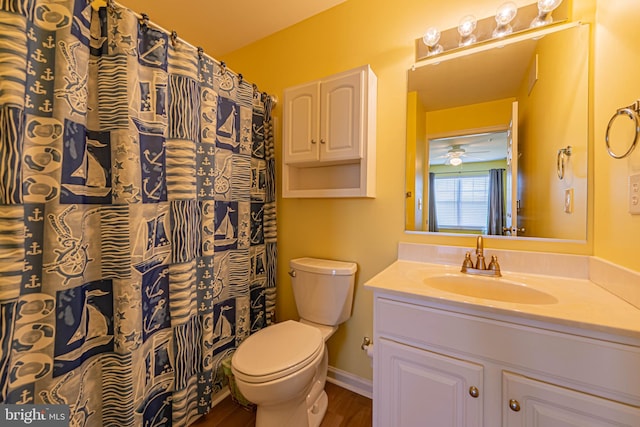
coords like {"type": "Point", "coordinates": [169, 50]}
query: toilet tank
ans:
{"type": "Point", "coordinates": [323, 289]}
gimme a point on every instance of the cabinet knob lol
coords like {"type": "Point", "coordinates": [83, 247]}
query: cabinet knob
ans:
{"type": "Point", "coordinates": [514, 405]}
{"type": "Point", "coordinates": [322, 141]}
{"type": "Point", "coordinates": [474, 392]}
{"type": "Point", "coordinates": [313, 141]}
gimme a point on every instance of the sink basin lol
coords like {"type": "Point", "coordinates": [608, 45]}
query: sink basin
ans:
{"type": "Point", "coordinates": [493, 288]}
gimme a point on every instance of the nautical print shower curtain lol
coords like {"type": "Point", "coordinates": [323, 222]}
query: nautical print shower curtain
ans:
{"type": "Point", "coordinates": [137, 215]}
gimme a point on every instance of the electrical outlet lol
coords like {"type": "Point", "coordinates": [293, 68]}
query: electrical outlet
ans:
{"type": "Point", "coordinates": [568, 200]}
{"type": "Point", "coordinates": [634, 194]}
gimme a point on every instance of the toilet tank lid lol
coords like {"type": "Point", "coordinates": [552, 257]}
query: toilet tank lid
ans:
{"type": "Point", "coordinates": [324, 266]}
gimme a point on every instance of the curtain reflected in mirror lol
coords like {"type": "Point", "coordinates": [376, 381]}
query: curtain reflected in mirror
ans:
{"type": "Point", "coordinates": [433, 216]}
{"type": "Point", "coordinates": [496, 220]}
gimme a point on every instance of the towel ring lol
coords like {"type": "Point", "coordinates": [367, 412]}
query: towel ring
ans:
{"type": "Point", "coordinates": [563, 156]}
{"type": "Point", "coordinates": [632, 111]}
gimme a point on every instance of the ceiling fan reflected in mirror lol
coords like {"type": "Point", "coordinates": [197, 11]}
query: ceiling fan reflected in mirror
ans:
{"type": "Point", "coordinates": [454, 151]}
{"type": "Point", "coordinates": [455, 154]}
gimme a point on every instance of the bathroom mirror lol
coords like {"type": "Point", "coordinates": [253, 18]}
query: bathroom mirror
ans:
{"type": "Point", "coordinates": [497, 138]}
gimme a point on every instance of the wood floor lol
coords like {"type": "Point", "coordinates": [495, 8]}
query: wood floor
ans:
{"type": "Point", "coordinates": [345, 409]}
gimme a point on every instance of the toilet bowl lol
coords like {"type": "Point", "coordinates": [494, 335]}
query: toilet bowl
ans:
{"type": "Point", "coordinates": [283, 367]}
{"type": "Point", "coordinates": [277, 369]}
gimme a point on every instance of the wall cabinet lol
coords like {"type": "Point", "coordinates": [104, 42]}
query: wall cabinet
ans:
{"type": "Point", "coordinates": [442, 367]}
{"type": "Point", "coordinates": [329, 136]}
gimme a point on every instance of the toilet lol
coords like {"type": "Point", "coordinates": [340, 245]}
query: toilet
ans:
{"type": "Point", "coordinates": [283, 368]}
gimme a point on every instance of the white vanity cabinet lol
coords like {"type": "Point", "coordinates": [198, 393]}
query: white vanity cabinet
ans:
{"type": "Point", "coordinates": [425, 388]}
{"type": "Point", "coordinates": [444, 365]}
{"type": "Point", "coordinates": [532, 403]}
{"type": "Point", "coordinates": [329, 136]}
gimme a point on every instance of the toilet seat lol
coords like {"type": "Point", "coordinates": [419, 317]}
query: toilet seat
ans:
{"type": "Point", "coordinates": [276, 351]}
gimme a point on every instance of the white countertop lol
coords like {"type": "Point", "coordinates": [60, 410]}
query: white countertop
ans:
{"type": "Point", "coordinates": [582, 307]}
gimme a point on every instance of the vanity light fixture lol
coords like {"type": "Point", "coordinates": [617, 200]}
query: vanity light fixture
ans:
{"type": "Point", "coordinates": [466, 27]}
{"type": "Point", "coordinates": [545, 7]}
{"type": "Point", "coordinates": [431, 39]}
{"type": "Point", "coordinates": [504, 16]}
{"type": "Point", "coordinates": [509, 21]}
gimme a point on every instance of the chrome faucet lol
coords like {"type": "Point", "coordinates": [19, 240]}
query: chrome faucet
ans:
{"type": "Point", "coordinates": [480, 267]}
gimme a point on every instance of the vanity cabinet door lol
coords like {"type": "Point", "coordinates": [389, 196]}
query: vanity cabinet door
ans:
{"type": "Point", "coordinates": [531, 403]}
{"type": "Point", "coordinates": [415, 387]}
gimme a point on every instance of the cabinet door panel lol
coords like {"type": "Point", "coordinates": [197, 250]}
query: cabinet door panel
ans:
{"type": "Point", "coordinates": [546, 405]}
{"type": "Point", "coordinates": [301, 123]}
{"type": "Point", "coordinates": [341, 118]}
{"type": "Point", "coordinates": [415, 387]}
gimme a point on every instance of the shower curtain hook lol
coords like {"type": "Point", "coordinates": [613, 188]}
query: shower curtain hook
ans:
{"type": "Point", "coordinates": [223, 66]}
{"type": "Point", "coordinates": [240, 78]}
{"type": "Point", "coordinates": [174, 38]}
{"type": "Point", "coordinates": [145, 20]}
{"type": "Point", "coordinates": [200, 52]}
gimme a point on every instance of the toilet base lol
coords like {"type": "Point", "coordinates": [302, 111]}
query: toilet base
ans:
{"type": "Point", "coordinates": [318, 409]}
{"type": "Point", "coordinates": [290, 413]}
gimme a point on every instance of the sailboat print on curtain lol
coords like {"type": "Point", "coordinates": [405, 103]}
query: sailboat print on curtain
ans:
{"type": "Point", "coordinates": [223, 330]}
{"type": "Point", "coordinates": [86, 327]}
{"type": "Point", "coordinates": [137, 203]}
{"type": "Point", "coordinates": [228, 125]}
{"type": "Point", "coordinates": [226, 224]}
{"type": "Point", "coordinates": [153, 242]}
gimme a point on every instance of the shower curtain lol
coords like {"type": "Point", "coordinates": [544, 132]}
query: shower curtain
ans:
{"type": "Point", "coordinates": [137, 215]}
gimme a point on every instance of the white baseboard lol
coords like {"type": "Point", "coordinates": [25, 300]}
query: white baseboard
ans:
{"type": "Point", "coordinates": [354, 383]}
{"type": "Point", "coordinates": [344, 379]}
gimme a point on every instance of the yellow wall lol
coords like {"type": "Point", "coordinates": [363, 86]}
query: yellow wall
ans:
{"type": "Point", "coordinates": [617, 233]}
{"type": "Point", "coordinates": [558, 101]}
{"type": "Point", "coordinates": [492, 114]}
{"type": "Point", "coordinates": [367, 231]}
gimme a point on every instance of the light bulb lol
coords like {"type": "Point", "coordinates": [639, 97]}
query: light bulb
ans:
{"type": "Point", "coordinates": [504, 16]}
{"type": "Point", "coordinates": [431, 38]}
{"type": "Point", "coordinates": [455, 161]}
{"type": "Point", "coordinates": [466, 27]}
{"type": "Point", "coordinates": [548, 6]}
{"type": "Point", "coordinates": [545, 7]}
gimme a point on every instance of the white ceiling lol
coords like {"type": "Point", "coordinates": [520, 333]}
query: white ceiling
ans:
{"type": "Point", "coordinates": [221, 27]}
{"type": "Point", "coordinates": [483, 147]}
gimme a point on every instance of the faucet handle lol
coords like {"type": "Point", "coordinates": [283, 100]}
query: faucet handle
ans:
{"type": "Point", "coordinates": [493, 265]}
{"type": "Point", "coordinates": [467, 263]}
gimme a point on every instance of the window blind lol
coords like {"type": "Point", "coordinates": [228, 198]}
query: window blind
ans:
{"type": "Point", "coordinates": [462, 202]}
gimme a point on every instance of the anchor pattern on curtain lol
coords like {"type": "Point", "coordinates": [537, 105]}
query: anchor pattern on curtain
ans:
{"type": "Point", "coordinates": [137, 215]}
